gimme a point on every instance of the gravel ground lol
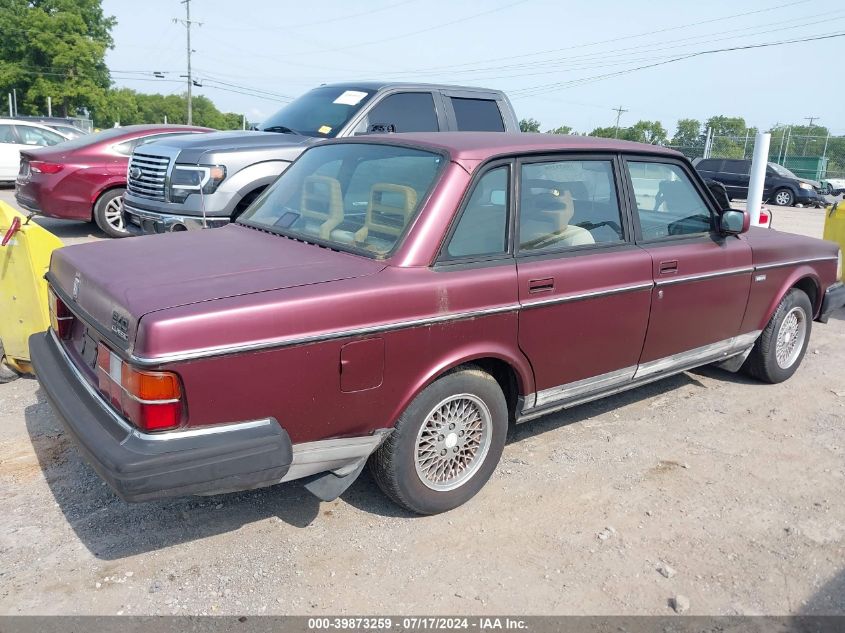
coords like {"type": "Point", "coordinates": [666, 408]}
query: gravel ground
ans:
{"type": "Point", "coordinates": [704, 489]}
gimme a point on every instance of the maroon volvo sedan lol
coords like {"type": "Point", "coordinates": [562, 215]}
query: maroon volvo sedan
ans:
{"type": "Point", "coordinates": [85, 178]}
{"type": "Point", "coordinates": [400, 300]}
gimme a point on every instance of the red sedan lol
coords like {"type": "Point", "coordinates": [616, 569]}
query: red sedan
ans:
{"type": "Point", "coordinates": [84, 178]}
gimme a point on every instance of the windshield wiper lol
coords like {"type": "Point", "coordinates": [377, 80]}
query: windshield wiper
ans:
{"type": "Point", "coordinates": [281, 128]}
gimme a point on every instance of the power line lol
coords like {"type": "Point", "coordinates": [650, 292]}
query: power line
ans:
{"type": "Point", "coordinates": [533, 90]}
{"type": "Point", "coordinates": [615, 39]}
{"type": "Point", "coordinates": [303, 25]}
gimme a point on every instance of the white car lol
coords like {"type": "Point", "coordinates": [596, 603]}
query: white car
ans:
{"type": "Point", "coordinates": [17, 135]}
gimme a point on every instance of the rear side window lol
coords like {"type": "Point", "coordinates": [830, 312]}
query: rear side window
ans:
{"type": "Point", "coordinates": [7, 134]}
{"type": "Point", "coordinates": [740, 167]}
{"type": "Point", "coordinates": [568, 203]}
{"type": "Point", "coordinates": [402, 112]}
{"type": "Point", "coordinates": [36, 136]}
{"type": "Point", "coordinates": [477, 115]}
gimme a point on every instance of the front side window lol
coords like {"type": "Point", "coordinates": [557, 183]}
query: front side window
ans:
{"type": "Point", "coordinates": [36, 136]}
{"type": "Point", "coordinates": [402, 112]}
{"type": "Point", "coordinates": [482, 228]}
{"type": "Point", "coordinates": [563, 204]}
{"type": "Point", "coordinates": [477, 115]}
{"type": "Point", "coordinates": [667, 202]}
{"type": "Point", "coordinates": [352, 196]}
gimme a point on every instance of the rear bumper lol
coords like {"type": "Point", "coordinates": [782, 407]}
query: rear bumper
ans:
{"type": "Point", "coordinates": [834, 299]}
{"type": "Point", "coordinates": [141, 222]}
{"type": "Point", "coordinates": [143, 467]}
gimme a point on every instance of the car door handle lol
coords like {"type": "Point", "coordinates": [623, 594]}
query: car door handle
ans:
{"type": "Point", "coordinates": [541, 285]}
{"type": "Point", "coordinates": [669, 267]}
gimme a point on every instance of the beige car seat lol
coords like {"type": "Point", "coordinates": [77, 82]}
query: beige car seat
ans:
{"type": "Point", "coordinates": [385, 217]}
{"type": "Point", "coordinates": [321, 206]}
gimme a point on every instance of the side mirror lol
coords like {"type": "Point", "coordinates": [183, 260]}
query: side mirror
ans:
{"type": "Point", "coordinates": [734, 222]}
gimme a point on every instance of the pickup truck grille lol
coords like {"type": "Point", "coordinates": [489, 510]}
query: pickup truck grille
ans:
{"type": "Point", "coordinates": [147, 174]}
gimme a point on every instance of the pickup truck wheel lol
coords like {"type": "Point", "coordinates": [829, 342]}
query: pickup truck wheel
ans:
{"type": "Point", "coordinates": [783, 198]}
{"type": "Point", "coordinates": [445, 445]}
{"type": "Point", "coordinates": [779, 350]}
{"type": "Point", "coordinates": [108, 213]}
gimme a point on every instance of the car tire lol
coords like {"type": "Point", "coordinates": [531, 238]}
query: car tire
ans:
{"type": "Point", "coordinates": [108, 213]}
{"type": "Point", "coordinates": [781, 346]}
{"type": "Point", "coordinates": [460, 421]}
{"type": "Point", "coordinates": [783, 197]}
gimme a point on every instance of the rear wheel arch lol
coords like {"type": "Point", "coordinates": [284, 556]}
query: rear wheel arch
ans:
{"type": "Point", "coordinates": [106, 189]}
{"type": "Point", "coordinates": [512, 375]}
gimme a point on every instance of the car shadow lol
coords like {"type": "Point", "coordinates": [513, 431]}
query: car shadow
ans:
{"type": "Point", "coordinates": [112, 529]}
{"type": "Point", "coordinates": [69, 229]}
{"type": "Point", "coordinates": [829, 600]}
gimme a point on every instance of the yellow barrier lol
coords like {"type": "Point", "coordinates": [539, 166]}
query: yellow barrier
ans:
{"type": "Point", "coordinates": [23, 292]}
{"type": "Point", "coordinates": [834, 226]}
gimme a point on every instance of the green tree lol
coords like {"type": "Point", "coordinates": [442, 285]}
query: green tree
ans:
{"type": "Point", "coordinates": [726, 126]}
{"type": "Point", "coordinates": [651, 132]}
{"type": "Point", "coordinates": [607, 132]}
{"type": "Point", "coordinates": [563, 129]}
{"type": "Point", "coordinates": [54, 48]}
{"type": "Point", "coordinates": [688, 133]}
{"type": "Point", "coordinates": [529, 125]}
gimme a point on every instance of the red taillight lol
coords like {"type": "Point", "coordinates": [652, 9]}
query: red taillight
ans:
{"type": "Point", "coordinates": [151, 400]}
{"type": "Point", "coordinates": [764, 217]}
{"type": "Point", "coordinates": [61, 318]}
{"type": "Point", "coordinates": [41, 167]}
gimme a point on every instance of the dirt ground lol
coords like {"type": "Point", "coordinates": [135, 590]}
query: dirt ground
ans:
{"type": "Point", "coordinates": [706, 485]}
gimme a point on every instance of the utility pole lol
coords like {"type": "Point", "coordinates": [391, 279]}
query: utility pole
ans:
{"type": "Point", "coordinates": [15, 100]}
{"type": "Point", "coordinates": [187, 24]}
{"type": "Point", "coordinates": [50, 106]}
{"type": "Point", "coordinates": [809, 129]}
{"type": "Point", "coordinates": [619, 112]}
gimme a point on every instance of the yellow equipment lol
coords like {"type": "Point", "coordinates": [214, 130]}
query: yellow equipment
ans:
{"type": "Point", "coordinates": [24, 258]}
{"type": "Point", "coordinates": [834, 226]}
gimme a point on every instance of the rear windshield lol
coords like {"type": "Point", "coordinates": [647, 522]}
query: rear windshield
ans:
{"type": "Point", "coordinates": [350, 196]}
{"type": "Point", "coordinates": [321, 112]}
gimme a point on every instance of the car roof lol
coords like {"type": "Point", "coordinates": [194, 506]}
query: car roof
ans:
{"type": "Point", "coordinates": [379, 85]}
{"type": "Point", "coordinates": [32, 124]}
{"type": "Point", "coordinates": [484, 145]}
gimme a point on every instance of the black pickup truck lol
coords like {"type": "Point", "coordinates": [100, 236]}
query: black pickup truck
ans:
{"type": "Point", "coordinates": [190, 183]}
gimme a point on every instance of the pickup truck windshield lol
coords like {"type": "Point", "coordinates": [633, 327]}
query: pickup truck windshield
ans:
{"type": "Point", "coordinates": [321, 112]}
{"type": "Point", "coordinates": [350, 196]}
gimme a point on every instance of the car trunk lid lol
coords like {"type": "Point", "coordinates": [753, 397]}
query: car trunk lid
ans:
{"type": "Point", "coordinates": [113, 284]}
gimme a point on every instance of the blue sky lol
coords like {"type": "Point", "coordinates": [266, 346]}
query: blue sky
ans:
{"type": "Point", "coordinates": [562, 62]}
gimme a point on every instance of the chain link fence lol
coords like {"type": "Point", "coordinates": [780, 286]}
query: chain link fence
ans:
{"type": "Point", "coordinates": [815, 157]}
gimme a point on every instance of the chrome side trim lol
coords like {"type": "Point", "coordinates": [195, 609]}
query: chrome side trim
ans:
{"type": "Point", "coordinates": [580, 387]}
{"type": "Point", "coordinates": [720, 273]}
{"type": "Point", "coordinates": [795, 262]}
{"type": "Point", "coordinates": [575, 393]}
{"type": "Point", "coordinates": [340, 455]}
{"type": "Point", "coordinates": [587, 295]}
{"type": "Point", "coordinates": [698, 356]}
{"type": "Point", "coordinates": [131, 430]}
{"type": "Point", "coordinates": [316, 338]}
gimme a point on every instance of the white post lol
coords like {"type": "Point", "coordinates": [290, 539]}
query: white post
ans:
{"type": "Point", "coordinates": [243, 121]}
{"type": "Point", "coordinates": [758, 176]}
{"type": "Point", "coordinates": [11, 114]}
{"type": "Point", "coordinates": [707, 143]}
{"type": "Point", "coordinates": [49, 106]}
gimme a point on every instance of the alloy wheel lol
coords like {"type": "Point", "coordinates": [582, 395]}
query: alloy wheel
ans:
{"type": "Point", "coordinates": [790, 337]}
{"type": "Point", "coordinates": [114, 214]}
{"type": "Point", "coordinates": [453, 441]}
